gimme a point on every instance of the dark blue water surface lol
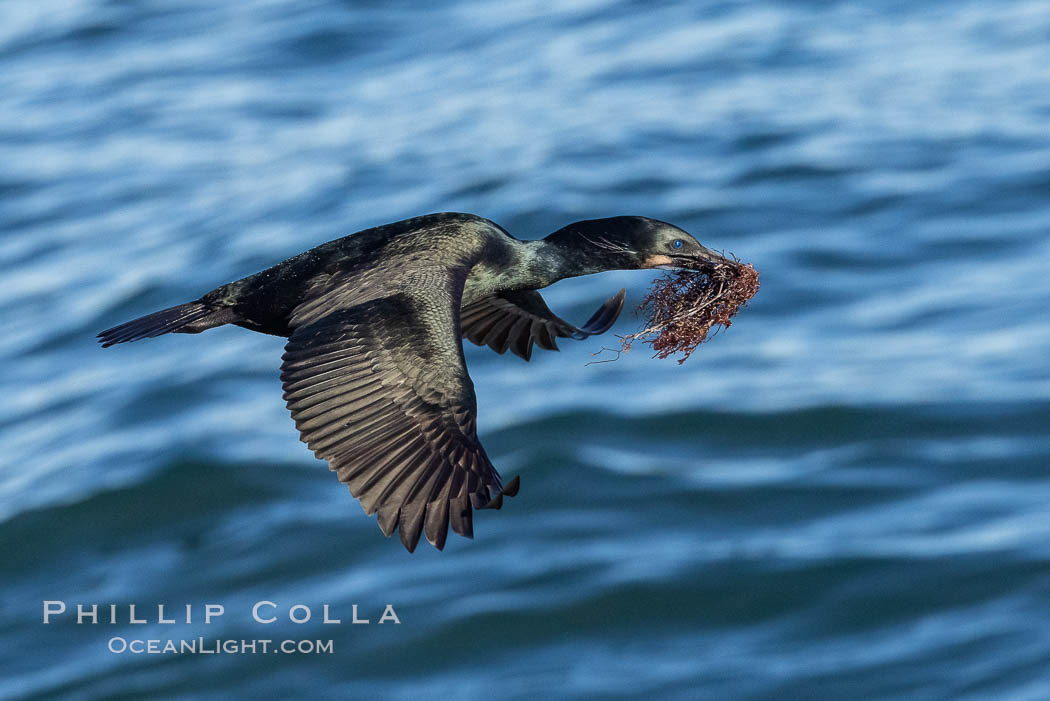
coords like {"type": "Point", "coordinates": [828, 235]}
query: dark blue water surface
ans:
{"type": "Point", "coordinates": [844, 496]}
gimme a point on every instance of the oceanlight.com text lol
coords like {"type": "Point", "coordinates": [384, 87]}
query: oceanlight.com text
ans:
{"type": "Point", "coordinates": [218, 646]}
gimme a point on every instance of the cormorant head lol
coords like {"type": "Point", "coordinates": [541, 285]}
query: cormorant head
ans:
{"type": "Point", "coordinates": [630, 243]}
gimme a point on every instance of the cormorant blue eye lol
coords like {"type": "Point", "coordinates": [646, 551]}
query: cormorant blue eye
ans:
{"type": "Point", "coordinates": [677, 243]}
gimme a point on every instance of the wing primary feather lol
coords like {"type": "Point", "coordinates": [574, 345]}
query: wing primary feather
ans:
{"type": "Point", "coordinates": [479, 329]}
{"type": "Point", "coordinates": [435, 523]}
{"type": "Point", "coordinates": [511, 490]}
{"type": "Point", "coordinates": [415, 508]}
{"type": "Point", "coordinates": [352, 470]}
{"type": "Point", "coordinates": [494, 338]}
{"type": "Point", "coordinates": [378, 486]}
{"type": "Point", "coordinates": [519, 340]}
{"type": "Point", "coordinates": [545, 338]}
{"type": "Point", "coordinates": [461, 516]}
{"type": "Point", "coordinates": [603, 319]}
{"type": "Point", "coordinates": [388, 517]}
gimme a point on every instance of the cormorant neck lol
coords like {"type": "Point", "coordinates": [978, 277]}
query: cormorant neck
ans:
{"type": "Point", "coordinates": [550, 261]}
{"type": "Point", "coordinates": [568, 253]}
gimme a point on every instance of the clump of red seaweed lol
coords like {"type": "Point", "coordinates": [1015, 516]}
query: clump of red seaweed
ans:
{"type": "Point", "coordinates": [685, 306]}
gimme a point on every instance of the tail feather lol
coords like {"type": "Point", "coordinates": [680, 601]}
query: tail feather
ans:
{"type": "Point", "coordinates": [155, 324]}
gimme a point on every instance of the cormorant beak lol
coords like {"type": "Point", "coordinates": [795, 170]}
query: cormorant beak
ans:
{"type": "Point", "coordinates": [693, 260]}
{"type": "Point", "coordinates": [704, 258]}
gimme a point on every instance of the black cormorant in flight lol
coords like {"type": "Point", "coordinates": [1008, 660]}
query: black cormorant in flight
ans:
{"type": "Point", "coordinates": [373, 371]}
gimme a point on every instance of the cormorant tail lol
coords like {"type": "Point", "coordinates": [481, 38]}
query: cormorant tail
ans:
{"type": "Point", "coordinates": [173, 319]}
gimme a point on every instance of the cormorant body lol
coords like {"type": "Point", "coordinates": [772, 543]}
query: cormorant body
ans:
{"type": "Point", "coordinates": [373, 371]}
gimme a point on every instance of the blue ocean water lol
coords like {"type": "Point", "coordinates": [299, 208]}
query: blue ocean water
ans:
{"type": "Point", "coordinates": [844, 496]}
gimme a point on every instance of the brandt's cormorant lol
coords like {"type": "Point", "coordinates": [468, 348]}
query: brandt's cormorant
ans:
{"type": "Point", "coordinates": [373, 371]}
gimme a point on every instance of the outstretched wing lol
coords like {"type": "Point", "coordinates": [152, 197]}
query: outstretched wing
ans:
{"type": "Point", "coordinates": [517, 320]}
{"type": "Point", "coordinates": [380, 390]}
